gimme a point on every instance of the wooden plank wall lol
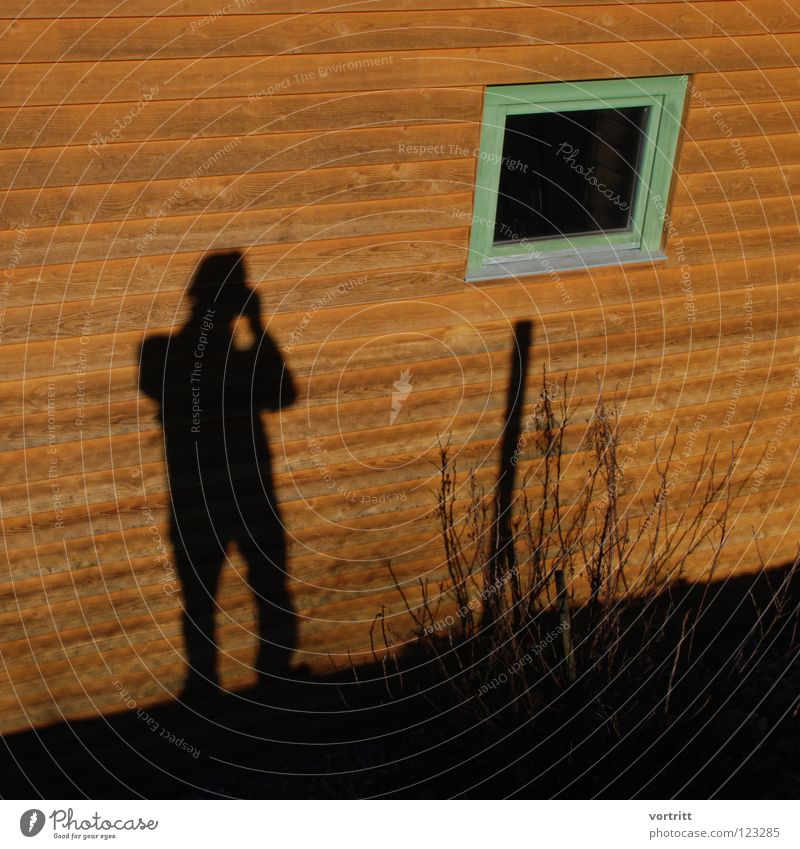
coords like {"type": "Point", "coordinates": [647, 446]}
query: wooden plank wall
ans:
{"type": "Point", "coordinates": [338, 149]}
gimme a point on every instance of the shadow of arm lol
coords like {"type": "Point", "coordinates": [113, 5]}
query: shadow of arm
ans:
{"type": "Point", "coordinates": [275, 386]}
{"type": "Point", "coordinates": [152, 360]}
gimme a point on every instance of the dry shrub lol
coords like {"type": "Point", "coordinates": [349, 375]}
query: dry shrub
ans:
{"type": "Point", "coordinates": [570, 604]}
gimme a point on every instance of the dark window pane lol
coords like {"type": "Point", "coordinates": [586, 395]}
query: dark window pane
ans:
{"type": "Point", "coordinates": [568, 173]}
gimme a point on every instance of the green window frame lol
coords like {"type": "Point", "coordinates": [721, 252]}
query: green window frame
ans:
{"type": "Point", "coordinates": [642, 241]}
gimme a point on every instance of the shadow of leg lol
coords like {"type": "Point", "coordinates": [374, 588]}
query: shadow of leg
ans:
{"type": "Point", "coordinates": [199, 568]}
{"type": "Point", "coordinates": [277, 623]}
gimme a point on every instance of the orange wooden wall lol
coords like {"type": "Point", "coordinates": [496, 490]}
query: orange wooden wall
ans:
{"type": "Point", "coordinates": [338, 150]}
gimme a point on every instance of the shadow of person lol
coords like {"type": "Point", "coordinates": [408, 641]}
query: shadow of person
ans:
{"type": "Point", "coordinates": [211, 387]}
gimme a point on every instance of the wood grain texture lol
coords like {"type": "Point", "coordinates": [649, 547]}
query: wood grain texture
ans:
{"type": "Point", "coordinates": [149, 8]}
{"type": "Point", "coordinates": [190, 160]}
{"type": "Point", "coordinates": [242, 34]}
{"type": "Point", "coordinates": [744, 184]}
{"type": "Point", "coordinates": [215, 231]}
{"type": "Point", "coordinates": [335, 300]}
{"type": "Point", "coordinates": [338, 323]}
{"type": "Point", "coordinates": [344, 167]}
{"type": "Point", "coordinates": [29, 127]}
{"type": "Point", "coordinates": [29, 359]}
{"type": "Point", "coordinates": [234, 193]}
{"type": "Point", "coordinates": [714, 155]}
{"type": "Point", "coordinates": [740, 120]}
{"type": "Point", "coordinates": [181, 79]}
{"type": "Point", "coordinates": [716, 88]}
{"type": "Point", "coordinates": [408, 485]}
{"type": "Point", "coordinates": [270, 266]}
{"type": "Point", "coordinates": [90, 454]}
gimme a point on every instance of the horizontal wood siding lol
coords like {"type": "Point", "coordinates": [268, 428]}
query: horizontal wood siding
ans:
{"type": "Point", "coordinates": [339, 151]}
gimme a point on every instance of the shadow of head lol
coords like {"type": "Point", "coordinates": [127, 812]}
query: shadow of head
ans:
{"type": "Point", "coordinates": [219, 284]}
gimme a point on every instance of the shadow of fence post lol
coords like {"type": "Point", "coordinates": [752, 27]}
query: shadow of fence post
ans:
{"type": "Point", "coordinates": [503, 562]}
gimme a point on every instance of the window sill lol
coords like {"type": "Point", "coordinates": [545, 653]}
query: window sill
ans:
{"type": "Point", "coordinates": [553, 262]}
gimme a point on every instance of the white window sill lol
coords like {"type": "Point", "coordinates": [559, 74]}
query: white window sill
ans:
{"type": "Point", "coordinates": [553, 262]}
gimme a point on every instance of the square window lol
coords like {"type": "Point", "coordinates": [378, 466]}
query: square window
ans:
{"type": "Point", "coordinates": [574, 174]}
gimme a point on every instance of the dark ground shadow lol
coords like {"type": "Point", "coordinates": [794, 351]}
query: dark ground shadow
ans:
{"type": "Point", "coordinates": [211, 394]}
{"type": "Point", "coordinates": [338, 737]}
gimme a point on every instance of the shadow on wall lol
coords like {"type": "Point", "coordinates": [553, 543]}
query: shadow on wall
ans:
{"type": "Point", "coordinates": [211, 387]}
{"type": "Point", "coordinates": [401, 729]}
